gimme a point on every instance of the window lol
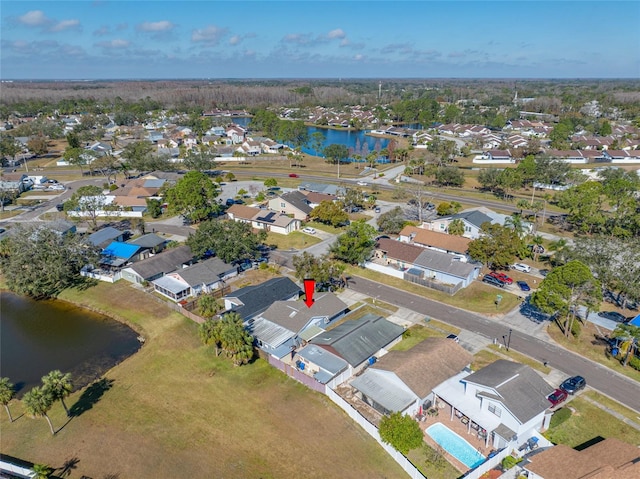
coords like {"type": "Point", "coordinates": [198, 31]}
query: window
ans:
{"type": "Point", "coordinates": [442, 226]}
{"type": "Point", "coordinates": [495, 410]}
{"type": "Point", "coordinates": [467, 229]}
{"type": "Point", "coordinates": [283, 205]}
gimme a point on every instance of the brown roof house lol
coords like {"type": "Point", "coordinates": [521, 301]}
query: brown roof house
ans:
{"type": "Point", "coordinates": [264, 219]}
{"type": "Point", "coordinates": [610, 458]}
{"type": "Point", "coordinates": [424, 266]}
{"type": "Point", "coordinates": [445, 243]}
{"type": "Point", "coordinates": [403, 381]}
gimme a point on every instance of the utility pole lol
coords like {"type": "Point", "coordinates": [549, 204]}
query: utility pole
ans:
{"type": "Point", "coordinates": [509, 340]}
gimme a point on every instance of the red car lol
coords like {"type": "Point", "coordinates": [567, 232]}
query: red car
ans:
{"type": "Point", "coordinates": [293, 175]}
{"type": "Point", "coordinates": [502, 277]}
{"type": "Point", "coordinates": [556, 397]}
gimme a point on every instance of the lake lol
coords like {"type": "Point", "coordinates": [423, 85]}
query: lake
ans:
{"type": "Point", "coordinates": [39, 336]}
{"type": "Point", "coordinates": [357, 141]}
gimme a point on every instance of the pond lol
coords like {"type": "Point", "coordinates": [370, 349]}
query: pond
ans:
{"type": "Point", "coordinates": [358, 142]}
{"type": "Point", "coordinates": [39, 336]}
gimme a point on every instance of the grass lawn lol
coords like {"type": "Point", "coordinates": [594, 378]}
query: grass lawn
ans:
{"type": "Point", "coordinates": [478, 297]}
{"type": "Point", "coordinates": [484, 358]}
{"type": "Point", "coordinates": [587, 422]}
{"type": "Point", "coordinates": [587, 345]}
{"type": "Point", "coordinates": [295, 240]}
{"type": "Point", "coordinates": [416, 334]}
{"type": "Point", "coordinates": [176, 410]}
{"type": "Point", "coordinates": [520, 358]}
{"type": "Point", "coordinates": [432, 464]}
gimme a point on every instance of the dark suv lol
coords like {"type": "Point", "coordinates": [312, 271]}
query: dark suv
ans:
{"type": "Point", "coordinates": [573, 384]}
{"type": "Point", "coordinates": [493, 280]}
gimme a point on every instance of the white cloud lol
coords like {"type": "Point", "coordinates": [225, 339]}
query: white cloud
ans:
{"type": "Point", "coordinates": [358, 57]}
{"type": "Point", "coordinates": [103, 30]}
{"type": "Point", "coordinates": [337, 33]}
{"type": "Point", "coordinates": [162, 26]}
{"type": "Point", "coordinates": [234, 40]}
{"type": "Point", "coordinates": [34, 18]}
{"type": "Point", "coordinates": [65, 25]}
{"type": "Point", "coordinates": [115, 44]}
{"type": "Point", "coordinates": [210, 34]}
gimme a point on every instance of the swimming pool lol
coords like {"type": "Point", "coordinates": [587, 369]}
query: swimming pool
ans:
{"type": "Point", "coordinates": [455, 445]}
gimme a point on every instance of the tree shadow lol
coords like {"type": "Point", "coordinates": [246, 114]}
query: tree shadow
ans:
{"type": "Point", "coordinates": [68, 466]}
{"type": "Point", "coordinates": [90, 396]}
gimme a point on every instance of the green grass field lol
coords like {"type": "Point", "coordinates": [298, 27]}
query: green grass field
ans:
{"type": "Point", "coordinates": [176, 410]}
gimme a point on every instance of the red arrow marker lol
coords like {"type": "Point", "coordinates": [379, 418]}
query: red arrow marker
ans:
{"type": "Point", "coordinates": [309, 289]}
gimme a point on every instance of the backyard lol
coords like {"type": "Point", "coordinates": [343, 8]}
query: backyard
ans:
{"type": "Point", "coordinates": [174, 409]}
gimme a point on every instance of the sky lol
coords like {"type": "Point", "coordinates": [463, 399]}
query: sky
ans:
{"type": "Point", "coordinates": [140, 39]}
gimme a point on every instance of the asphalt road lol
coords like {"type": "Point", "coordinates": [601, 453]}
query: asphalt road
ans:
{"type": "Point", "coordinates": [618, 387]}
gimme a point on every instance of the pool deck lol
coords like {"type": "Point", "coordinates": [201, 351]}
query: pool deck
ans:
{"type": "Point", "coordinates": [459, 428]}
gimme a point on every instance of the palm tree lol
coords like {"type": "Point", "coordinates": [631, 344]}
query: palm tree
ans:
{"type": "Point", "coordinates": [537, 243]}
{"type": "Point", "coordinates": [42, 471]}
{"type": "Point", "coordinates": [58, 386]}
{"type": "Point", "coordinates": [515, 223]}
{"type": "Point", "coordinates": [630, 335]}
{"type": "Point", "coordinates": [7, 393]}
{"type": "Point", "coordinates": [37, 403]}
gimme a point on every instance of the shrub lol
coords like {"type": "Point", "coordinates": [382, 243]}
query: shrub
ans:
{"type": "Point", "coordinates": [634, 362]}
{"type": "Point", "coordinates": [508, 462]}
{"type": "Point", "coordinates": [560, 416]}
{"type": "Point", "coordinates": [402, 432]}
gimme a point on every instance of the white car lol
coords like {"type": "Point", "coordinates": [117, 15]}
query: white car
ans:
{"type": "Point", "coordinates": [525, 268]}
{"type": "Point", "coordinates": [363, 183]}
{"type": "Point", "coordinates": [309, 230]}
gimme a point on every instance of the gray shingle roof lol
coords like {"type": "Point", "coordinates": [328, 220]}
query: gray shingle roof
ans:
{"type": "Point", "coordinates": [520, 388]}
{"type": "Point", "coordinates": [356, 341]}
{"type": "Point", "coordinates": [443, 262]}
{"type": "Point", "coordinates": [474, 217]}
{"type": "Point", "coordinates": [298, 200]}
{"type": "Point", "coordinates": [163, 263]}
{"type": "Point", "coordinates": [206, 272]}
{"type": "Point", "coordinates": [255, 299]}
{"type": "Point", "coordinates": [104, 236]}
{"type": "Point", "coordinates": [150, 240]}
{"type": "Point", "coordinates": [293, 315]}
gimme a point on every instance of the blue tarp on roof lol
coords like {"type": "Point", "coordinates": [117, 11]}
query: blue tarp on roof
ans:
{"type": "Point", "coordinates": [635, 321]}
{"type": "Point", "coordinates": [120, 250]}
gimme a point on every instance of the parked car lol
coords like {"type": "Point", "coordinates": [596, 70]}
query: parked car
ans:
{"type": "Point", "coordinates": [523, 286]}
{"type": "Point", "coordinates": [60, 206]}
{"type": "Point", "coordinates": [493, 281]}
{"type": "Point", "coordinates": [613, 316]}
{"type": "Point", "coordinates": [557, 396]}
{"type": "Point", "coordinates": [502, 277]}
{"type": "Point", "coordinates": [293, 175]}
{"type": "Point", "coordinates": [454, 337]}
{"type": "Point", "coordinates": [544, 272]}
{"type": "Point", "coordinates": [377, 209]}
{"type": "Point", "coordinates": [573, 384]}
{"type": "Point", "coordinates": [363, 183]}
{"type": "Point", "coordinates": [309, 230]}
{"type": "Point", "coordinates": [525, 268]}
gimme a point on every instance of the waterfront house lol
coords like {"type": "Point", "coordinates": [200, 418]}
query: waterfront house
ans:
{"type": "Point", "coordinates": [250, 301]}
{"type": "Point", "coordinates": [158, 265]}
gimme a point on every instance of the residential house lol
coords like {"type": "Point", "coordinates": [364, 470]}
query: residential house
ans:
{"type": "Point", "coordinates": [158, 265]}
{"type": "Point", "coordinates": [321, 364]}
{"type": "Point", "coordinates": [423, 266]}
{"type": "Point", "coordinates": [471, 219]}
{"type": "Point", "coordinates": [495, 156]}
{"type": "Point", "coordinates": [326, 188]}
{"type": "Point", "coordinates": [505, 401]}
{"type": "Point", "coordinates": [236, 134]}
{"type": "Point", "coordinates": [403, 381]}
{"type": "Point", "coordinates": [284, 325]}
{"type": "Point", "coordinates": [249, 147]}
{"type": "Point", "coordinates": [250, 301]}
{"type": "Point", "coordinates": [569, 156]}
{"type": "Point", "coordinates": [359, 341]}
{"type": "Point", "coordinates": [264, 220]}
{"type": "Point", "coordinates": [117, 254]}
{"type": "Point", "coordinates": [151, 242]}
{"type": "Point", "coordinates": [195, 280]}
{"type": "Point", "coordinates": [610, 458]}
{"type": "Point", "coordinates": [314, 199]}
{"type": "Point", "coordinates": [442, 242]}
{"type": "Point", "coordinates": [61, 227]}
{"type": "Point", "coordinates": [216, 131]}
{"type": "Point", "coordinates": [105, 236]}
{"type": "Point", "coordinates": [292, 203]}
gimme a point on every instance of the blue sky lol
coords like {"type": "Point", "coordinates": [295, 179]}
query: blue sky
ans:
{"type": "Point", "coordinates": [319, 39]}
